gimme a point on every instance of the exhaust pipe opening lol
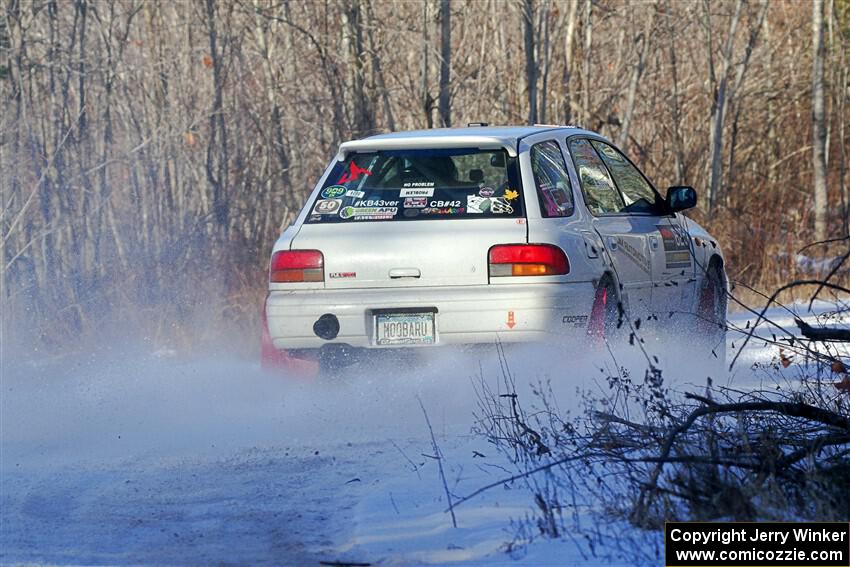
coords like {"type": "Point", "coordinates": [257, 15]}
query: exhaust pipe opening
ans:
{"type": "Point", "coordinates": [326, 327]}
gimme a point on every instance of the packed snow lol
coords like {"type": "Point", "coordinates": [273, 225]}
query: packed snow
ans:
{"type": "Point", "coordinates": [131, 456]}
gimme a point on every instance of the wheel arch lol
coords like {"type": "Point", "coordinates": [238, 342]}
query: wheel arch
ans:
{"type": "Point", "coordinates": [716, 262]}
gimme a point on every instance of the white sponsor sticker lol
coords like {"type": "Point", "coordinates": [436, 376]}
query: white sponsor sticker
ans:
{"type": "Point", "coordinates": [355, 193]}
{"type": "Point", "coordinates": [499, 205]}
{"type": "Point", "coordinates": [417, 192]}
{"type": "Point", "coordinates": [327, 206]}
{"type": "Point", "coordinates": [476, 204]}
{"type": "Point", "coordinates": [415, 202]}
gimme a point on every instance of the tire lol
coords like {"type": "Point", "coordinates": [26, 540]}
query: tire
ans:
{"type": "Point", "coordinates": [605, 315]}
{"type": "Point", "coordinates": [280, 361]}
{"type": "Point", "coordinates": [711, 316]}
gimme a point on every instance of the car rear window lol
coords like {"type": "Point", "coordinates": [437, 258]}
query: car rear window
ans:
{"type": "Point", "coordinates": [422, 184]}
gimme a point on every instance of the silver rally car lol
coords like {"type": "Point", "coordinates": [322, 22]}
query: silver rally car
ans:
{"type": "Point", "coordinates": [483, 234]}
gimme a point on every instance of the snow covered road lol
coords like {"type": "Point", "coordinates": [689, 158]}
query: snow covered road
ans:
{"type": "Point", "coordinates": [124, 457]}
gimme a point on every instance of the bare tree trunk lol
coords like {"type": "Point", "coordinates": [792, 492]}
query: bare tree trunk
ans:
{"type": "Point", "coordinates": [376, 65]}
{"type": "Point", "coordinates": [640, 42]}
{"type": "Point", "coordinates": [566, 82]}
{"type": "Point", "coordinates": [718, 108]}
{"type": "Point", "coordinates": [740, 75]}
{"type": "Point", "coordinates": [545, 19]}
{"type": "Point", "coordinates": [426, 99]}
{"type": "Point", "coordinates": [772, 138]}
{"type": "Point", "coordinates": [444, 103]}
{"type": "Point", "coordinates": [217, 151]}
{"type": "Point", "coordinates": [530, 60]}
{"type": "Point", "coordinates": [353, 40]}
{"type": "Point", "coordinates": [842, 137]}
{"type": "Point", "coordinates": [675, 108]}
{"type": "Point", "coordinates": [585, 79]}
{"type": "Point", "coordinates": [818, 122]}
{"type": "Point", "coordinates": [839, 66]}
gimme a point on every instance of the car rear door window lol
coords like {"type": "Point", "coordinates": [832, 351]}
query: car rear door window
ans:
{"type": "Point", "coordinates": [552, 180]}
{"type": "Point", "coordinates": [420, 184]}
{"type": "Point", "coordinates": [600, 194]}
{"type": "Point", "coordinates": [638, 194]}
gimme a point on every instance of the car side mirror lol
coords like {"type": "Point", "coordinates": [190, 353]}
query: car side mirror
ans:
{"type": "Point", "coordinates": [680, 198]}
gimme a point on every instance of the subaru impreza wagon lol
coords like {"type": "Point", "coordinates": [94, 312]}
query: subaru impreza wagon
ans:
{"type": "Point", "coordinates": [482, 234]}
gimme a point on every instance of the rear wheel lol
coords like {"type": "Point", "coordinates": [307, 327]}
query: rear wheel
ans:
{"type": "Point", "coordinates": [711, 313]}
{"type": "Point", "coordinates": [712, 303]}
{"type": "Point", "coordinates": [273, 359]}
{"type": "Point", "coordinates": [605, 313]}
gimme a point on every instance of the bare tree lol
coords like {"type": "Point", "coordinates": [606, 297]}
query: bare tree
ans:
{"type": "Point", "coordinates": [818, 123]}
{"type": "Point", "coordinates": [363, 120]}
{"type": "Point", "coordinates": [444, 97]}
{"type": "Point", "coordinates": [718, 103]}
{"type": "Point", "coordinates": [530, 58]}
{"type": "Point", "coordinates": [569, 93]}
{"type": "Point", "coordinates": [426, 100]}
{"type": "Point", "coordinates": [640, 42]}
{"type": "Point", "coordinates": [217, 149]}
{"type": "Point", "coordinates": [137, 138]}
{"type": "Point", "coordinates": [585, 79]}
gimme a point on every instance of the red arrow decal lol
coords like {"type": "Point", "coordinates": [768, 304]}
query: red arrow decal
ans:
{"type": "Point", "coordinates": [354, 172]}
{"type": "Point", "coordinates": [511, 321]}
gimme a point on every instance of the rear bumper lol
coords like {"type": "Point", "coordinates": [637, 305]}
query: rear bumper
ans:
{"type": "Point", "coordinates": [464, 314]}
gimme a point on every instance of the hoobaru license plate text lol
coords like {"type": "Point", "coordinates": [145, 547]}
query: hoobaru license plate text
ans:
{"type": "Point", "coordinates": [404, 328]}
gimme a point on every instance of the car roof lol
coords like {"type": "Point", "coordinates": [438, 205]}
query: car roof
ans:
{"type": "Point", "coordinates": [471, 136]}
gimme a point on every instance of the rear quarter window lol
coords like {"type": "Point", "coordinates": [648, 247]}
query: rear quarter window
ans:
{"type": "Point", "coordinates": [552, 180]}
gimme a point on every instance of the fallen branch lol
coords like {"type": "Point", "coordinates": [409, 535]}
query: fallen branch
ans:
{"type": "Point", "coordinates": [790, 409]}
{"type": "Point", "coordinates": [772, 298]}
{"type": "Point", "coordinates": [823, 334]}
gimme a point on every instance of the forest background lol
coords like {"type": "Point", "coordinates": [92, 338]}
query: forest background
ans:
{"type": "Point", "coordinates": [150, 152]}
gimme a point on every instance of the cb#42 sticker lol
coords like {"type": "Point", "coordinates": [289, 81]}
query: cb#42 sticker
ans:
{"type": "Point", "coordinates": [327, 206]}
{"type": "Point", "coordinates": [439, 204]}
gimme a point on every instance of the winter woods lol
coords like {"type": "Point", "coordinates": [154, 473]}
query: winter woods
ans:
{"type": "Point", "coordinates": [149, 151]}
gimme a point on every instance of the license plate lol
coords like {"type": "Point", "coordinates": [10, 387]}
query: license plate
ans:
{"type": "Point", "coordinates": [404, 328]}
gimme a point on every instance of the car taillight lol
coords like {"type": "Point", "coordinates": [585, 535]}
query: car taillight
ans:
{"type": "Point", "coordinates": [528, 260]}
{"type": "Point", "coordinates": [297, 266]}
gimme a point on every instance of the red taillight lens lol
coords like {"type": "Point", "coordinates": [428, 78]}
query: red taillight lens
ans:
{"type": "Point", "coordinates": [528, 260]}
{"type": "Point", "coordinates": [297, 266]}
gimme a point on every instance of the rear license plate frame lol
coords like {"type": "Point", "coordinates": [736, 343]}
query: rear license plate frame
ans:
{"type": "Point", "coordinates": [413, 315]}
